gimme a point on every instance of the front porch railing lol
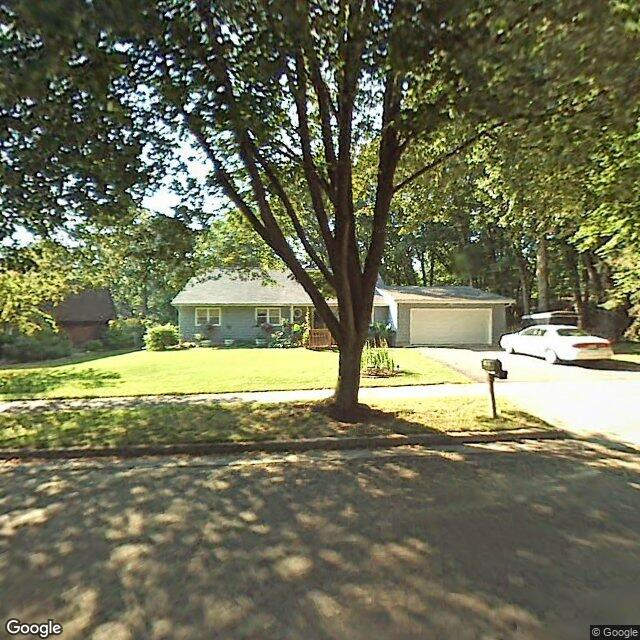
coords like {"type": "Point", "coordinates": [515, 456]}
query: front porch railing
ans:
{"type": "Point", "coordinates": [320, 339]}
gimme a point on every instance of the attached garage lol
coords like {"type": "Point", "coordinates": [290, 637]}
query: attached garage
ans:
{"type": "Point", "coordinates": [451, 315]}
{"type": "Point", "coordinates": [450, 326]}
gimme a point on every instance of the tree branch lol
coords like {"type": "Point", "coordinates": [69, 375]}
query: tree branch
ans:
{"type": "Point", "coordinates": [289, 208]}
{"type": "Point", "coordinates": [440, 159]}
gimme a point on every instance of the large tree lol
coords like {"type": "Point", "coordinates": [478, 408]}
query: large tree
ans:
{"type": "Point", "coordinates": [273, 93]}
{"type": "Point", "coordinates": [144, 260]}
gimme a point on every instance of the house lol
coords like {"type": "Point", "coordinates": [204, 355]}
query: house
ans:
{"type": "Point", "coordinates": [84, 316]}
{"type": "Point", "coordinates": [228, 306]}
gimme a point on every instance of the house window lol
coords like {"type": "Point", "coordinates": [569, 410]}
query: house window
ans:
{"type": "Point", "coordinates": [207, 315]}
{"type": "Point", "coordinates": [270, 315]}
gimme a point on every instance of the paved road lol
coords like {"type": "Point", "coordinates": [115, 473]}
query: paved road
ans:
{"type": "Point", "coordinates": [529, 369]}
{"type": "Point", "coordinates": [599, 398]}
{"type": "Point", "coordinates": [502, 541]}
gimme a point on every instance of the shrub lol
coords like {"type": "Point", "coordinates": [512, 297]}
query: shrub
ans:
{"type": "Point", "coordinates": [380, 332]}
{"type": "Point", "coordinates": [161, 336]}
{"type": "Point", "coordinates": [290, 336]}
{"type": "Point", "coordinates": [306, 330]}
{"type": "Point", "coordinates": [43, 345]}
{"type": "Point", "coordinates": [93, 345]}
{"type": "Point", "coordinates": [125, 332]}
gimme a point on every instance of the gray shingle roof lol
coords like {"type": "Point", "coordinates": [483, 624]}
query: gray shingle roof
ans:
{"type": "Point", "coordinates": [442, 294]}
{"type": "Point", "coordinates": [92, 305]}
{"type": "Point", "coordinates": [232, 287]}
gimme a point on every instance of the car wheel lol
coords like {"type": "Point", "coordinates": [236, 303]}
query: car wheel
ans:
{"type": "Point", "coordinates": [551, 357]}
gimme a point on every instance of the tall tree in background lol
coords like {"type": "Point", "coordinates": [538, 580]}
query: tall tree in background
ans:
{"type": "Point", "coordinates": [96, 95]}
{"type": "Point", "coordinates": [144, 260]}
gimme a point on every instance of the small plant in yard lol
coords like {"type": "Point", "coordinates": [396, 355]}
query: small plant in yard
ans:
{"type": "Point", "coordinates": [377, 360]}
{"type": "Point", "coordinates": [161, 336]}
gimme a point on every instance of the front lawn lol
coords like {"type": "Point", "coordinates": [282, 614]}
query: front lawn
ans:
{"type": "Point", "coordinates": [236, 422]}
{"type": "Point", "coordinates": [206, 371]}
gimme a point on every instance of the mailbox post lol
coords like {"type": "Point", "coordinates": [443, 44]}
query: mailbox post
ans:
{"type": "Point", "coordinates": [494, 370]}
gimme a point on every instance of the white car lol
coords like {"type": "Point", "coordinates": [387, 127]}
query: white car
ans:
{"type": "Point", "coordinates": [557, 343]}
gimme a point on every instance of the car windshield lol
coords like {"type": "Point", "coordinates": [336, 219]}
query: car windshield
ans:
{"type": "Point", "coordinates": [572, 332]}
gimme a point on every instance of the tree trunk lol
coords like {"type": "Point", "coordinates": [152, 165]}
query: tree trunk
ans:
{"type": "Point", "coordinates": [345, 399]}
{"type": "Point", "coordinates": [423, 267]}
{"type": "Point", "coordinates": [523, 273]}
{"type": "Point", "coordinates": [432, 269]}
{"type": "Point", "coordinates": [571, 261]}
{"type": "Point", "coordinates": [542, 274]}
{"type": "Point", "coordinates": [594, 276]}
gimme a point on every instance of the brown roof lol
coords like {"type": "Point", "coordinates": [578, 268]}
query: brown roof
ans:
{"type": "Point", "coordinates": [92, 305]}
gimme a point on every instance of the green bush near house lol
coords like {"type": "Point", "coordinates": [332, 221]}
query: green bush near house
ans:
{"type": "Point", "coordinates": [94, 345]}
{"type": "Point", "coordinates": [160, 337]}
{"type": "Point", "coordinates": [126, 332]}
{"type": "Point", "coordinates": [46, 344]}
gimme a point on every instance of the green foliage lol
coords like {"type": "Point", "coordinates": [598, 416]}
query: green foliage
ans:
{"type": "Point", "coordinates": [45, 344]}
{"type": "Point", "coordinates": [306, 329]}
{"type": "Point", "coordinates": [144, 259]}
{"type": "Point", "coordinates": [123, 333]}
{"type": "Point", "coordinates": [32, 280]}
{"type": "Point", "coordinates": [159, 337]}
{"type": "Point", "coordinates": [289, 336]}
{"type": "Point", "coordinates": [377, 359]}
{"type": "Point", "coordinates": [283, 98]}
{"type": "Point", "coordinates": [380, 334]}
{"type": "Point", "coordinates": [93, 345]}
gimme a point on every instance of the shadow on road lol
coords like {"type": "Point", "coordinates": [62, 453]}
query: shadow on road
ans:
{"type": "Point", "coordinates": [608, 365]}
{"type": "Point", "coordinates": [508, 541]}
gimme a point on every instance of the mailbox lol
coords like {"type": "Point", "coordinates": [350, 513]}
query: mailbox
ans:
{"type": "Point", "coordinates": [494, 367]}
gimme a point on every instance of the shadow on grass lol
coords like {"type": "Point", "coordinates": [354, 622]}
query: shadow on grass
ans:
{"type": "Point", "coordinates": [76, 358]}
{"type": "Point", "coordinates": [16, 384]}
{"type": "Point", "coordinates": [225, 422]}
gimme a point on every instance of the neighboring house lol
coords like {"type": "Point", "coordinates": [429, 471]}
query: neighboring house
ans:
{"type": "Point", "coordinates": [227, 306]}
{"type": "Point", "coordinates": [84, 316]}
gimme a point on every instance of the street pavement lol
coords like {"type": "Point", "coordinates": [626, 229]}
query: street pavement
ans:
{"type": "Point", "coordinates": [510, 541]}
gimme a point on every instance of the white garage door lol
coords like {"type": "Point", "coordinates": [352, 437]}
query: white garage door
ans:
{"type": "Point", "coordinates": [450, 326]}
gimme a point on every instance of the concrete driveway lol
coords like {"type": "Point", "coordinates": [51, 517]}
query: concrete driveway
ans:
{"type": "Point", "coordinates": [599, 398]}
{"type": "Point", "coordinates": [530, 369]}
{"type": "Point", "coordinates": [517, 542]}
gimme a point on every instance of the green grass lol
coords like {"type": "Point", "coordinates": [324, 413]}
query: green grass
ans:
{"type": "Point", "coordinates": [235, 422]}
{"type": "Point", "coordinates": [206, 371]}
{"type": "Point", "coordinates": [627, 351]}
